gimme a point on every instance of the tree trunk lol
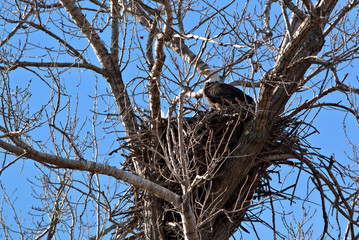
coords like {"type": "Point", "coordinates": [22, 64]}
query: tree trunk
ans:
{"type": "Point", "coordinates": [287, 73]}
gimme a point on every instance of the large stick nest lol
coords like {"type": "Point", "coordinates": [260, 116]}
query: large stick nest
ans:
{"type": "Point", "coordinates": [203, 142]}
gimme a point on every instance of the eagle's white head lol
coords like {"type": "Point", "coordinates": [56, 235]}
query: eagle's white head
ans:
{"type": "Point", "coordinates": [212, 75]}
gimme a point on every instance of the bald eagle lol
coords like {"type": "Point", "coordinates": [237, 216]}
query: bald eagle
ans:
{"type": "Point", "coordinates": [219, 94]}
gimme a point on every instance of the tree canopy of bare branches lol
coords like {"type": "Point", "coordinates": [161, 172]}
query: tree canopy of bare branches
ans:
{"type": "Point", "coordinates": [104, 131]}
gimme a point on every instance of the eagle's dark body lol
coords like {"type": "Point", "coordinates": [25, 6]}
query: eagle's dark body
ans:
{"type": "Point", "coordinates": [220, 94]}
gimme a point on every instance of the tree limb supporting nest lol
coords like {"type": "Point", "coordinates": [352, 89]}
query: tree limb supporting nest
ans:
{"type": "Point", "coordinates": [210, 138]}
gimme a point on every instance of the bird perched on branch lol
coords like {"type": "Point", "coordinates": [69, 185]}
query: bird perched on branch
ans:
{"type": "Point", "coordinates": [219, 94]}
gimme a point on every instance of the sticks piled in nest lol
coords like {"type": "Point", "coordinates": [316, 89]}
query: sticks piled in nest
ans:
{"type": "Point", "coordinates": [208, 139]}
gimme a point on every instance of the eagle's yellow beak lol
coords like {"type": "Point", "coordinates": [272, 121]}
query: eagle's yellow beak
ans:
{"type": "Point", "coordinates": [205, 72]}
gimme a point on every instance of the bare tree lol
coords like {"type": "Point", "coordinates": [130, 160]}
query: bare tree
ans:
{"type": "Point", "coordinates": [142, 156]}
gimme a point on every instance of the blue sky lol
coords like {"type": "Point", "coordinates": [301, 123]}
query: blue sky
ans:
{"type": "Point", "coordinates": [81, 90]}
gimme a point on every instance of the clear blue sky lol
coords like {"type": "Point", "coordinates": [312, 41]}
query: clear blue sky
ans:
{"type": "Point", "coordinates": [329, 123]}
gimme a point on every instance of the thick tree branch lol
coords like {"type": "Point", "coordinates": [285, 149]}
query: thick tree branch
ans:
{"type": "Point", "coordinates": [299, 13]}
{"type": "Point", "coordinates": [114, 31]}
{"type": "Point", "coordinates": [105, 59]}
{"type": "Point", "coordinates": [266, 15]}
{"type": "Point", "coordinates": [56, 161]}
{"type": "Point", "coordinates": [277, 86]}
{"type": "Point", "coordinates": [340, 16]}
{"type": "Point", "coordinates": [89, 32]}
